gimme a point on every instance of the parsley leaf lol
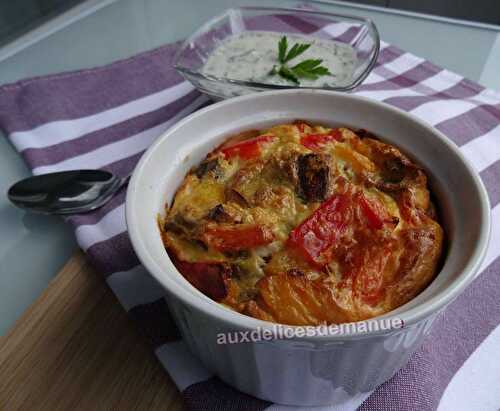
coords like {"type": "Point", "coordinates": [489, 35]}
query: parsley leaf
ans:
{"type": "Point", "coordinates": [307, 64]}
{"type": "Point", "coordinates": [310, 68]}
{"type": "Point", "coordinates": [288, 74]}
{"type": "Point", "coordinates": [282, 46]}
{"type": "Point", "coordinates": [296, 50]}
{"type": "Point", "coordinates": [321, 71]}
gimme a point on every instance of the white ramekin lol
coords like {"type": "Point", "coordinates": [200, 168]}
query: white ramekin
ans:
{"type": "Point", "coordinates": [320, 369]}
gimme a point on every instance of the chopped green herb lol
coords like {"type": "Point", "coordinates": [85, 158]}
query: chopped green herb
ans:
{"type": "Point", "coordinates": [282, 46]}
{"type": "Point", "coordinates": [287, 73]}
{"type": "Point", "coordinates": [296, 50]}
{"type": "Point", "coordinates": [310, 69]}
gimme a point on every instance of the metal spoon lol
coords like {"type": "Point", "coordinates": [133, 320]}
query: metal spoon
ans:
{"type": "Point", "coordinates": [67, 192]}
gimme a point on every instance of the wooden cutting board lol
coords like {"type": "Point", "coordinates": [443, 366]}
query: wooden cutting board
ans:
{"type": "Point", "coordinates": [76, 349]}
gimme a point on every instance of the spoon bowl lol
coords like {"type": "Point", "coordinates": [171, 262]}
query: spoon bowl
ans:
{"type": "Point", "coordinates": [66, 192]}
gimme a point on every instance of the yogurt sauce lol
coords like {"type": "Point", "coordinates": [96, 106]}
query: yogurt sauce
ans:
{"type": "Point", "coordinates": [251, 55]}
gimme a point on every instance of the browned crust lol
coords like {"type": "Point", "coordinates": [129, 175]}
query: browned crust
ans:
{"type": "Point", "coordinates": [299, 299]}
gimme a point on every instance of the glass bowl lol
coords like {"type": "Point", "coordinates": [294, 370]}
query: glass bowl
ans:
{"type": "Point", "coordinates": [359, 33]}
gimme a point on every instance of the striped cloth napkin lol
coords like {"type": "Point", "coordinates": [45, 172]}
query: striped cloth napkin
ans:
{"type": "Point", "coordinates": [106, 117]}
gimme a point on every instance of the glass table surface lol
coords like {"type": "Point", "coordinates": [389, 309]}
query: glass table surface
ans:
{"type": "Point", "coordinates": [33, 247]}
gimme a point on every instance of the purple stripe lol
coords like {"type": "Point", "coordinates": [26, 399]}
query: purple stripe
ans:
{"type": "Point", "coordinates": [113, 255]}
{"type": "Point", "coordinates": [491, 179]}
{"type": "Point", "coordinates": [472, 85]}
{"type": "Point", "coordinates": [388, 54]}
{"type": "Point", "coordinates": [314, 24]}
{"type": "Point", "coordinates": [125, 166]}
{"type": "Point", "coordinates": [407, 79]}
{"type": "Point", "coordinates": [461, 90]}
{"type": "Point", "coordinates": [348, 35]}
{"type": "Point", "coordinates": [464, 325]}
{"type": "Point", "coordinates": [155, 322]}
{"type": "Point", "coordinates": [471, 124]}
{"type": "Point", "coordinates": [30, 103]}
{"type": "Point", "coordinates": [278, 23]}
{"type": "Point", "coordinates": [391, 53]}
{"type": "Point", "coordinates": [37, 157]}
{"type": "Point", "coordinates": [384, 71]}
{"type": "Point", "coordinates": [95, 216]}
{"type": "Point", "coordinates": [214, 395]}
{"type": "Point", "coordinates": [310, 25]}
{"type": "Point", "coordinates": [409, 103]}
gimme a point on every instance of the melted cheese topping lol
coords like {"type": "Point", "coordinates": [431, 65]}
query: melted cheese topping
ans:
{"type": "Point", "coordinates": [230, 224]}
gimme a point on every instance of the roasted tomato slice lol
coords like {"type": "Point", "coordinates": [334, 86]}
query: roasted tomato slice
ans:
{"type": "Point", "coordinates": [315, 141]}
{"type": "Point", "coordinates": [234, 237]}
{"type": "Point", "coordinates": [210, 278]}
{"type": "Point", "coordinates": [375, 213]}
{"type": "Point", "coordinates": [246, 149]}
{"type": "Point", "coordinates": [322, 229]}
{"type": "Point", "coordinates": [293, 299]}
{"type": "Point", "coordinates": [368, 279]}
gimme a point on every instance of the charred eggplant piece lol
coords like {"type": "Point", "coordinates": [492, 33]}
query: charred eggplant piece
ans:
{"type": "Point", "coordinates": [178, 224]}
{"type": "Point", "coordinates": [219, 214]}
{"type": "Point", "coordinates": [206, 166]}
{"type": "Point", "coordinates": [397, 171]}
{"type": "Point", "coordinates": [396, 167]}
{"type": "Point", "coordinates": [314, 177]}
{"type": "Point", "coordinates": [236, 197]}
{"type": "Point", "coordinates": [286, 165]}
{"type": "Point", "coordinates": [243, 185]}
{"type": "Point", "coordinates": [362, 133]}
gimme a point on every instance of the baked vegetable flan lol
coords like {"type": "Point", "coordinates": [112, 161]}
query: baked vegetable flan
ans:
{"type": "Point", "coordinates": [304, 224]}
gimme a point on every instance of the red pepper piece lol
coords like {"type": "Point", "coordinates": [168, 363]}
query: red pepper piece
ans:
{"type": "Point", "coordinates": [237, 237]}
{"type": "Point", "coordinates": [321, 230]}
{"type": "Point", "coordinates": [375, 213]}
{"type": "Point", "coordinates": [369, 276]}
{"type": "Point", "coordinates": [315, 141]}
{"type": "Point", "coordinates": [209, 278]}
{"type": "Point", "coordinates": [246, 149]}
